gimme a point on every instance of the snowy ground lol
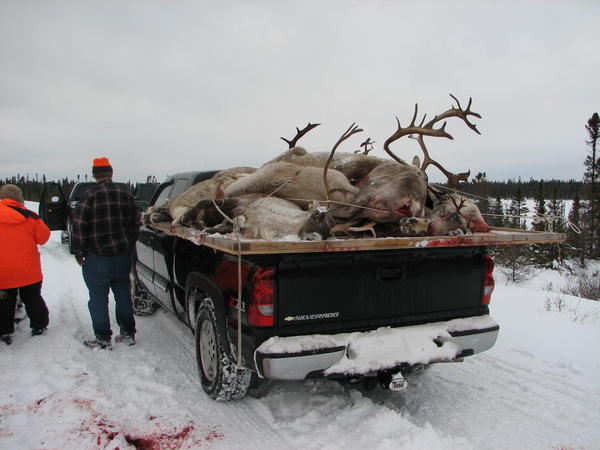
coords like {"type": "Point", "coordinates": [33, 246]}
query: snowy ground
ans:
{"type": "Point", "coordinates": [538, 388]}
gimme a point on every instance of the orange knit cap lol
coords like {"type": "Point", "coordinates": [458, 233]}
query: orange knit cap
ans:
{"type": "Point", "coordinates": [101, 162]}
{"type": "Point", "coordinates": [101, 167]}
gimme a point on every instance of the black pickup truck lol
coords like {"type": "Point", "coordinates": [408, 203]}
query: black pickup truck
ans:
{"type": "Point", "coordinates": [360, 312]}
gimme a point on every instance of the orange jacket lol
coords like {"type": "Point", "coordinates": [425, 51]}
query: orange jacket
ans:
{"type": "Point", "coordinates": [21, 231]}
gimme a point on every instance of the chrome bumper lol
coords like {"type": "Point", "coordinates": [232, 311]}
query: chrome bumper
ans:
{"type": "Point", "coordinates": [362, 353]}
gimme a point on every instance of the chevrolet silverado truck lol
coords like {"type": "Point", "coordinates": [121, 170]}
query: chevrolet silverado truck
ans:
{"type": "Point", "coordinates": [359, 310]}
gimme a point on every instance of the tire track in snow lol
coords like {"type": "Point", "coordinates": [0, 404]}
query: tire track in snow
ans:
{"type": "Point", "coordinates": [175, 339]}
{"type": "Point", "coordinates": [494, 394]}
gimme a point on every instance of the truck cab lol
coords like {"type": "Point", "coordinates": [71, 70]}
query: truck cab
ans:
{"type": "Point", "coordinates": [153, 267]}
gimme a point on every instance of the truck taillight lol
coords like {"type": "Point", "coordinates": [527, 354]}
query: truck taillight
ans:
{"type": "Point", "coordinates": [488, 286]}
{"type": "Point", "coordinates": [262, 304]}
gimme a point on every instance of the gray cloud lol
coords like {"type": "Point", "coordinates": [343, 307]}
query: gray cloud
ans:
{"type": "Point", "coordinates": [161, 87]}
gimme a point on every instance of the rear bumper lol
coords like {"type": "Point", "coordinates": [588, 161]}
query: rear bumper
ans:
{"type": "Point", "coordinates": [362, 353]}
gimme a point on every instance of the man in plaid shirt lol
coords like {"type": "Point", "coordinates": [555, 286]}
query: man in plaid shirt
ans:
{"type": "Point", "coordinates": [105, 229]}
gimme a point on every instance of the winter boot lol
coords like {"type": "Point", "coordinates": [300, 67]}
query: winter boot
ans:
{"type": "Point", "coordinates": [38, 331]}
{"type": "Point", "coordinates": [98, 343]}
{"type": "Point", "coordinates": [6, 338]}
{"type": "Point", "coordinates": [128, 339]}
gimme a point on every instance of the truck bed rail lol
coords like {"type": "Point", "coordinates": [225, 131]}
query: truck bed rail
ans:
{"type": "Point", "coordinates": [231, 244]}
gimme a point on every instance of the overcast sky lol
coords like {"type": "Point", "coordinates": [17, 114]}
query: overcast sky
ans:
{"type": "Point", "coordinates": [161, 87]}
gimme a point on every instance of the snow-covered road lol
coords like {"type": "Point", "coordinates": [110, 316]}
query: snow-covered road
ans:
{"type": "Point", "coordinates": [537, 388]}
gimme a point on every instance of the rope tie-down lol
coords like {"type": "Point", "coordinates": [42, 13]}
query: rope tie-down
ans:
{"type": "Point", "coordinates": [238, 225]}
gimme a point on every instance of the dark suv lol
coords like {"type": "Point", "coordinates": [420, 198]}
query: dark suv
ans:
{"type": "Point", "coordinates": [57, 211]}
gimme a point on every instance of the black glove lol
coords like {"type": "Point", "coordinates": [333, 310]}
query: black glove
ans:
{"type": "Point", "coordinates": [80, 257]}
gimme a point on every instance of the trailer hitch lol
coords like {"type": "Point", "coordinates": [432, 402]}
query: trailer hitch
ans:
{"type": "Point", "coordinates": [394, 381]}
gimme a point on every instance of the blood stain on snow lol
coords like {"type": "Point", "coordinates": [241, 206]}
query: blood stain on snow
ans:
{"type": "Point", "coordinates": [38, 404]}
{"type": "Point", "coordinates": [108, 435]}
{"type": "Point", "coordinates": [173, 440]}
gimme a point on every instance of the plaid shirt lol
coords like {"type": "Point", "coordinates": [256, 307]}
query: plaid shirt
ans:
{"type": "Point", "coordinates": [106, 221]}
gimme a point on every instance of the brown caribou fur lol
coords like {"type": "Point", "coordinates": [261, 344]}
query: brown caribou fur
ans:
{"type": "Point", "coordinates": [299, 184]}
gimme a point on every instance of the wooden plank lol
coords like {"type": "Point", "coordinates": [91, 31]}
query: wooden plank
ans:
{"type": "Point", "coordinates": [230, 244]}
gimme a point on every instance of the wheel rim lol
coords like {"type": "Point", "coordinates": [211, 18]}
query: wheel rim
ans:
{"type": "Point", "coordinates": [208, 350]}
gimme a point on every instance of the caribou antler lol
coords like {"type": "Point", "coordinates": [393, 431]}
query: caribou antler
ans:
{"type": "Point", "coordinates": [367, 147]}
{"type": "Point", "coordinates": [460, 113]}
{"type": "Point", "coordinates": [353, 129]}
{"type": "Point", "coordinates": [458, 205]}
{"type": "Point", "coordinates": [454, 179]}
{"type": "Point", "coordinates": [299, 133]}
{"type": "Point", "coordinates": [427, 129]}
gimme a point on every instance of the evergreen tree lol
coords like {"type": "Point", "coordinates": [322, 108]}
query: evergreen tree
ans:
{"type": "Point", "coordinates": [515, 262]}
{"type": "Point", "coordinates": [556, 214]}
{"type": "Point", "coordinates": [517, 210]}
{"type": "Point", "coordinates": [496, 219]}
{"type": "Point", "coordinates": [575, 240]}
{"type": "Point", "coordinates": [539, 220]}
{"type": "Point", "coordinates": [515, 259]}
{"type": "Point", "coordinates": [540, 253]}
{"type": "Point", "coordinates": [591, 174]}
{"type": "Point", "coordinates": [497, 213]}
{"type": "Point", "coordinates": [482, 191]}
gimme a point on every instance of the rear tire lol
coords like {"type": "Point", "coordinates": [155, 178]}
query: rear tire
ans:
{"type": "Point", "coordinates": [220, 378]}
{"type": "Point", "coordinates": [143, 303]}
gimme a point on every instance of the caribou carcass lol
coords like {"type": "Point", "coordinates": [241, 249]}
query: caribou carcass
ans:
{"type": "Point", "coordinates": [353, 165]}
{"type": "Point", "coordinates": [185, 203]}
{"type": "Point", "coordinates": [261, 216]}
{"type": "Point", "coordinates": [388, 190]}
{"type": "Point", "coordinates": [454, 214]}
{"type": "Point", "coordinates": [303, 184]}
{"type": "Point", "coordinates": [364, 187]}
{"type": "Point", "coordinates": [392, 191]}
{"type": "Point", "coordinates": [298, 184]}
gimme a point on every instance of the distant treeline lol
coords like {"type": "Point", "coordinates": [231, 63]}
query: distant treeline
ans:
{"type": "Point", "coordinates": [564, 190]}
{"type": "Point", "coordinates": [32, 187]}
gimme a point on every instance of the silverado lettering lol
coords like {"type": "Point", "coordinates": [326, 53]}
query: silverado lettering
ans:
{"type": "Point", "coordinates": [331, 315]}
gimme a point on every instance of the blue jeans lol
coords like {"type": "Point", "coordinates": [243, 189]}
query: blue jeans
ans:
{"type": "Point", "coordinates": [100, 274]}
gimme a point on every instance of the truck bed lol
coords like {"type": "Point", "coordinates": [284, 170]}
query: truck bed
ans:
{"type": "Point", "coordinates": [230, 244]}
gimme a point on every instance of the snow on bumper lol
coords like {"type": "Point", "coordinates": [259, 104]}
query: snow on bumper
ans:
{"type": "Point", "coordinates": [360, 353]}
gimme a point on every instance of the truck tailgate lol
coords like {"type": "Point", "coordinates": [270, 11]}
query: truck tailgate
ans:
{"type": "Point", "coordinates": [363, 290]}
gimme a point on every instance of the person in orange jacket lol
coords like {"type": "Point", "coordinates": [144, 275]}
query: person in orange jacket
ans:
{"type": "Point", "coordinates": [21, 231]}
